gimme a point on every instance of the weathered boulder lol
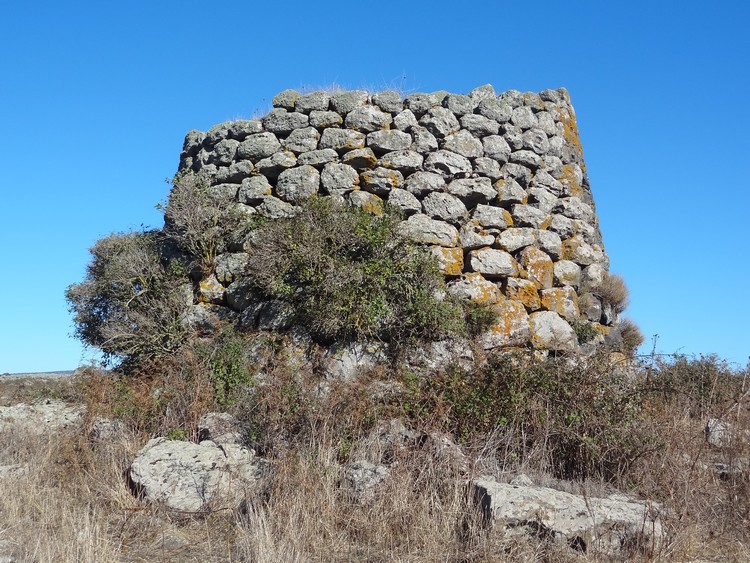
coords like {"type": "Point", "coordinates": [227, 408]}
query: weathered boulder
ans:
{"type": "Point", "coordinates": [191, 478]}
{"type": "Point", "coordinates": [614, 526]}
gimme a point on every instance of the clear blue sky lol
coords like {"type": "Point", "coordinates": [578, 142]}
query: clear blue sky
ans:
{"type": "Point", "coordinates": [96, 97]}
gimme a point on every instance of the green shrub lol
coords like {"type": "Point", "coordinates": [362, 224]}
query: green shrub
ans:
{"type": "Point", "coordinates": [130, 303]}
{"type": "Point", "coordinates": [574, 419]}
{"type": "Point", "coordinates": [228, 365]}
{"type": "Point", "coordinates": [585, 331]}
{"type": "Point", "coordinates": [350, 276]}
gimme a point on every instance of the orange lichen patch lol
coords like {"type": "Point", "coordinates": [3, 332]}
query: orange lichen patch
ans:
{"type": "Point", "coordinates": [601, 329]}
{"type": "Point", "coordinates": [538, 267]}
{"type": "Point", "coordinates": [508, 218]}
{"type": "Point", "coordinates": [561, 300]}
{"type": "Point", "coordinates": [569, 247]}
{"type": "Point", "coordinates": [511, 329]}
{"type": "Point", "coordinates": [481, 290]}
{"type": "Point", "coordinates": [570, 179]}
{"type": "Point", "coordinates": [524, 291]}
{"type": "Point", "coordinates": [210, 291]}
{"type": "Point", "coordinates": [367, 202]}
{"type": "Point", "coordinates": [450, 260]}
{"type": "Point", "coordinates": [546, 223]}
{"type": "Point", "coordinates": [570, 131]}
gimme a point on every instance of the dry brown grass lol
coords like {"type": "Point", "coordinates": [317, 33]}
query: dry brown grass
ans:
{"type": "Point", "coordinates": [71, 503]}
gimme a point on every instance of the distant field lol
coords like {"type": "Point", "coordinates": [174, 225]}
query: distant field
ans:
{"type": "Point", "coordinates": [39, 375]}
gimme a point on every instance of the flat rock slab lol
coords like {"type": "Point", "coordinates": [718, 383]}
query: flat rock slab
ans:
{"type": "Point", "coordinates": [609, 525]}
{"type": "Point", "coordinates": [191, 478]}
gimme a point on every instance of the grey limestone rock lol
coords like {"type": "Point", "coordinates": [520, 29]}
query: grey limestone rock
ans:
{"type": "Point", "coordinates": [526, 158]}
{"type": "Point", "coordinates": [551, 332]}
{"type": "Point", "coordinates": [242, 128]}
{"type": "Point", "coordinates": [346, 362]}
{"type": "Point", "coordinates": [509, 192]}
{"type": "Point", "coordinates": [546, 123]}
{"type": "Point", "coordinates": [363, 478]}
{"type": "Point", "coordinates": [549, 242]}
{"type": "Point", "coordinates": [360, 159]}
{"type": "Point", "coordinates": [574, 208]}
{"type": "Point", "coordinates": [297, 184]}
{"type": "Point", "coordinates": [495, 109]}
{"type": "Point", "coordinates": [492, 217]}
{"type": "Point", "coordinates": [40, 418]}
{"type": "Point", "coordinates": [536, 140]}
{"type": "Point", "coordinates": [323, 119]}
{"type": "Point", "coordinates": [459, 104]}
{"type": "Point", "coordinates": [404, 161]}
{"type": "Point", "coordinates": [368, 119]}
{"type": "Point", "coordinates": [192, 478]}
{"type": "Point", "coordinates": [511, 328]}
{"type": "Point", "coordinates": [286, 99]}
{"type": "Point", "coordinates": [220, 428]}
{"type": "Point", "coordinates": [472, 191]}
{"type": "Point", "coordinates": [421, 183]}
{"type": "Point", "coordinates": [528, 216]}
{"type": "Point", "coordinates": [562, 225]}
{"type": "Point", "coordinates": [279, 161]}
{"type": "Point", "coordinates": [515, 238]}
{"type": "Point", "coordinates": [314, 101]}
{"type": "Point", "coordinates": [318, 158]}
{"type": "Point", "coordinates": [273, 208]}
{"type": "Point", "coordinates": [492, 262]}
{"type": "Point", "coordinates": [238, 171]}
{"type": "Point", "coordinates": [464, 143]}
{"type": "Point", "coordinates": [488, 167]}
{"type": "Point", "coordinates": [517, 172]}
{"type": "Point", "coordinates": [523, 117]}
{"type": "Point", "coordinates": [480, 93]}
{"type": "Point", "coordinates": [610, 526]}
{"type": "Point", "coordinates": [472, 235]}
{"type": "Point", "coordinates": [496, 148]}
{"type": "Point", "coordinates": [568, 273]}
{"type": "Point", "coordinates": [253, 190]}
{"type": "Point", "coordinates": [341, 140]}
{"type": "Point", "coordinates": [224, 152]}
{"type": "Point", "coordinates": [283, 122]}
{"type": "Point", "coordinates": [381, 180]}
{"type": "Point", "coordinates": [338, 178]}
{"type": "Point", "coordinates": [229, 266]}
{"type": "Point", "coordinates": [422, 229]}
{"type": "Point", "coordinates": [258, 146]}
{"type": "Point", "coordinates": [302, 140]}
{"type": "Point", "coordinates": [405, 201]}
{"type": "Point", "coordinates": [440, 122]}
{"type": "Point", "coordinates": [344, 102]}
{"type": "Point", "coordinates": [514, 136]}
{"type": "Point", "coordinates": [388, 100]}
{"type": "Point", "coordinates": [447, 163]}
{"type": "Point", "coordinates": [443, 206]}
{"type": "Point", "coordinates": [275, 315]}
{"type": "Point", "coordinates": [420, 103]}
{"type": "Point", "coordinates": [388, 140]}
{"type": "Point", "coordinates": [542, 199]}
{"type": "Point", "coordinates": [479, 125]}
{"type": "Point", "coordinates": [424, 141]}
{"type": "Point", "coordinates": [405, 120]}
{"type": "Point", "coordinates": [240, 295]}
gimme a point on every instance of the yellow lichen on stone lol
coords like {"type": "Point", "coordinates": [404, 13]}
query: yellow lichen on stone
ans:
{"type": "Point", "coordinates": [526, 292]}
{"type": "Point", "coordinates": [511, 327]}
{"type": "Point", "coordinates": [571, 181]}
{"type": "Point", "coordinates": [538, 266]}
{"type": "Point", "coordinates": [561, 300]}
{"type": "Point", "coordinates": [450, 260]}
{"type": "Point", "coordinates": [210, 290]}
{"type": "Point", "coordinates": [483, 291]}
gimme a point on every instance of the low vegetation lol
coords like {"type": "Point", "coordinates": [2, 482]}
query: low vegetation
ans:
{"type": "Point", "coordinates": [605, 422]}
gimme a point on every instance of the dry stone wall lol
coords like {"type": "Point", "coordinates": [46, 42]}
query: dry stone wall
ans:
{"type": "Point", "coordinates": [495, 186]}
